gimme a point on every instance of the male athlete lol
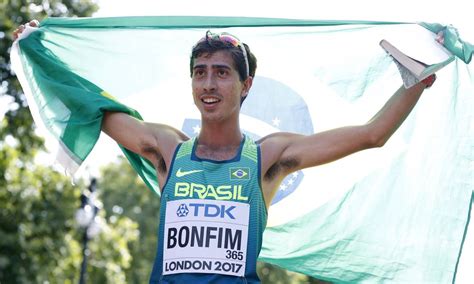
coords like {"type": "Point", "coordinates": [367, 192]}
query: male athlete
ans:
{"type": "Point", "coordinates": [216, 188]}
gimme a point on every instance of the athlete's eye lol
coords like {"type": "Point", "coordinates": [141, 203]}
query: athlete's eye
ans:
{"type": "Point", "coordinates": [222, 72]}
{"type": "Point", "coordinates": [198, 73]}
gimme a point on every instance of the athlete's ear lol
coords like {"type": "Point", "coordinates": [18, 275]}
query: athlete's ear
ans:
{"type": "Point", "coordinates": [247, 85]}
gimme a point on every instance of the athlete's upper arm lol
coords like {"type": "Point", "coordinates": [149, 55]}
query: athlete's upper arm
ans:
{"type": "Point", "coordinates": [328, 146]}
{"type": "Point", "coordinates": [288, 152]}
{"type": "Point", "coordinates": [146, 139]}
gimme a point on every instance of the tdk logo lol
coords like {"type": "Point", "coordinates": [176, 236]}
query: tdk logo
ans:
{"type": "Point", "coordinates": [182, 210]}
{"type": "Point", "coordinates": [210, 210]}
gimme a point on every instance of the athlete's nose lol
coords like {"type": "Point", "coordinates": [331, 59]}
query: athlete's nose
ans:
{"type": "Point", "coordinates": [210, 83]}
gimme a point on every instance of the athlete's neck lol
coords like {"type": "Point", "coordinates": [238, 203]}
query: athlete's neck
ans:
{"type": "Point", "coordinates": [220, 135]}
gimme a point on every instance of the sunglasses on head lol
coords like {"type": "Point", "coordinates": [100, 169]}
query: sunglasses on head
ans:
{"type": "Point", "coordinates": [228, 38]}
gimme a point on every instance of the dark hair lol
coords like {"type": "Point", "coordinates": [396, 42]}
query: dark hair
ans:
{"type": "Point", "coordinates": [212, 45]}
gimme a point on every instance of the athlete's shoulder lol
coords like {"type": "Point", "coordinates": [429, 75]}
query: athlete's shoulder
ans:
{"type": "Point", "coordinates": [273, 145]}
{"type": "Point", "coordinates": [162, 143]}
{"type": "Point", "coordinates": [277, 138]}
{"type": "Point", "coordinates": [167, 130]}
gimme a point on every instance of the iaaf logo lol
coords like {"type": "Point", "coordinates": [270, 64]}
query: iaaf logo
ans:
{"type": "Point", "coordinates": [271, 106]}
{"type": "Point", "coordinates": [206, 210]}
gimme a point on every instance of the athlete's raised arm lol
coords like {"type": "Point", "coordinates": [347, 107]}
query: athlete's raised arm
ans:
{"type": "Point", "coordinates": [156, 142]}
{"type": "Point", "coordinates": [283, 153]}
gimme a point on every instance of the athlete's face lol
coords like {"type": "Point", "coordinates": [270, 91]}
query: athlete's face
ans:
{"type": "Point", "coordinates": [217, 89]}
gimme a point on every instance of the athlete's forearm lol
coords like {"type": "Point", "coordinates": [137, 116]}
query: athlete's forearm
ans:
{"type": "Point", "coordinates": [394, 112]}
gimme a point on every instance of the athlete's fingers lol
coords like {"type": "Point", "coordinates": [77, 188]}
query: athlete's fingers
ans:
{"type": "Point", "coordinates": [34, 23]}
{"type": "Point", "coordinates": [440, 37]}
{"type": "Point", "coordinates": [18, 31]}
{"type": "Point", "coordinates": [21, 28]}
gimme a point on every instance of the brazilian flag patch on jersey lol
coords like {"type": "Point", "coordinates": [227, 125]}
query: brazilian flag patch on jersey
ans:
{"type": "Point", "coordinates": [239, 173]}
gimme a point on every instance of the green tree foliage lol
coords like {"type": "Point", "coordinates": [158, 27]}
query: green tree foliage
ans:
{"type": "Point", "coordinates": [18, 121]}
{"type": "Point", "coordinates": [125, 195]}
{"type": "Point", "coordinates": [39, 239]}
{"type": "Point", "coordinates": [110, 257]}
{"type": "Point", "coordinates": [37, 225]}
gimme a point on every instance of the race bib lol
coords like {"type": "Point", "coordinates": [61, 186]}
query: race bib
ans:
{"type": "Point", "coordinates": [205, 236]}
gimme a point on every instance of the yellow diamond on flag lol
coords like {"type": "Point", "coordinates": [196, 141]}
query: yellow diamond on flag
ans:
{"type": "Point", "coordinates": [107, 95]}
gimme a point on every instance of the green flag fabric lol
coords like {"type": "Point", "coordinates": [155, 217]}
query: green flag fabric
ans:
{"type": "Point", "coordinates": [394, 214]}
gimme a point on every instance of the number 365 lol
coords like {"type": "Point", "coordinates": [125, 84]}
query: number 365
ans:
{"type": "Point", "coordinates": [232, 254]}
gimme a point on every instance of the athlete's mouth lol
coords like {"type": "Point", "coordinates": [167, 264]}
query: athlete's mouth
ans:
{"type": "Point", "coordinates": [210, 100]}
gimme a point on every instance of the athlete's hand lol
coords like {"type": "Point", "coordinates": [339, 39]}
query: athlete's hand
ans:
{"type": "Point", "coordinates": [21, 28]}
{"type": "Point", "coordinates": [440, 37]}
{"type": "Point", "coordinates": [429, 81]}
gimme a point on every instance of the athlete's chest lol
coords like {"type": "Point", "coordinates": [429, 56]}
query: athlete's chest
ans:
{"type": "Point", "coordinates": [230, 182]}
{"type": "Point", "coordinates": [230, 178]}
{"type": "Point", "coordinates": [216, 154]}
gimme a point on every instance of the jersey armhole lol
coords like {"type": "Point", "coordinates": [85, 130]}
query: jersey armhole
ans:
{"type": "Point", "coordinates": [170, 171]}
{"type": "Point", "coordinates": [259, 169]}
